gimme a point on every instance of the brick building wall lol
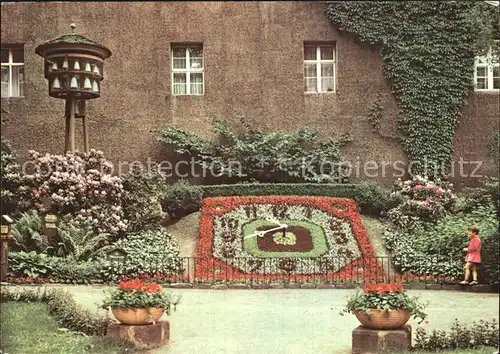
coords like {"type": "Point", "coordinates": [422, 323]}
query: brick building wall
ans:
{"type": "Point", "coordinates": [253, 54]}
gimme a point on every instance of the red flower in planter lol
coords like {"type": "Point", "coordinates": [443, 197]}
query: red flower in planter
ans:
{"type": "Point", "coordinates": [132, 285]}
{"type": "Point", "coordinates": [153, 288]}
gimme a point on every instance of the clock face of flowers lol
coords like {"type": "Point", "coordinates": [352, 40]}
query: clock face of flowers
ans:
{"type": "Point", "coordinates": [281, 235]}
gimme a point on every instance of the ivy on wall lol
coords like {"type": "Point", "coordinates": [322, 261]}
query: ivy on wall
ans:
{"type": "Point", "coordinates": [428, 50]}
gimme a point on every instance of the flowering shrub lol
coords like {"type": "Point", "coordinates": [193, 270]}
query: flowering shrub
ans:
{"type": "Point", "coordinates": [383, 296]}
{"type": "Point", "coordinates": [223, 252]}
{"type": "Point", "coordinates": [136, 293]}
{"type": "Point", "coordinates": [11, 179]}
{"type": "Point", "coordinates": [423, 200]}
{"type": "Point", "coordinates": [79, 184]}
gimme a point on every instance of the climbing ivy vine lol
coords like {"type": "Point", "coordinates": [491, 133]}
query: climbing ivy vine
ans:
{"type": "Point", "coordinates": [428, 50]}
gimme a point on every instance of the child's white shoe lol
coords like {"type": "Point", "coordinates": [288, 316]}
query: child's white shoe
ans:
{"type": "Point", "coordinates": [465, 282]}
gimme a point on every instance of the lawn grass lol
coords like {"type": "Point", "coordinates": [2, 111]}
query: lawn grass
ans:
{"type": "Point", "coordinates": [27, 328]}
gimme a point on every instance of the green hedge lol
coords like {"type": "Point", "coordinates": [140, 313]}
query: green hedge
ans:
{"type": "Point", "coordinates": [62, 307]}
{"type": "Point", "coordinates": [371, 198]}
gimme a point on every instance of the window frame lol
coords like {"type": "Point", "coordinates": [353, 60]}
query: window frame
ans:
{"type": "Point", "coordinates": [187, 70]}
{"type": "Point", "coordinates": [10, 64]}
{"type": "Point", "coordinates": [489, 65]}
{"type": "Point", "coordinates": [318, 62]}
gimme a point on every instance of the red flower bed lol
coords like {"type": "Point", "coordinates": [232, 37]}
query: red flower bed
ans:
{"type": "Point", "coordinates": [209, 267]}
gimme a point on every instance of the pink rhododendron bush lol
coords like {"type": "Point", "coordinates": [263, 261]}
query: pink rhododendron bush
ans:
{"type": "Point", "coordinates": [77, 184]}
{"type": "Point", "coordinates": [422, 199]}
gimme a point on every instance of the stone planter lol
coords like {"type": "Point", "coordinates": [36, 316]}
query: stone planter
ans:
{"type": "Point", "coordinates": [381, 319]}
{"type": "Point", "coordinates": [156, 313]}
{"type": "Point", "coordinates": [140, 316]}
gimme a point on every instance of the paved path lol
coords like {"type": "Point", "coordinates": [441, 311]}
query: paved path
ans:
{"type": "Point", "coordinates": [285, 321]}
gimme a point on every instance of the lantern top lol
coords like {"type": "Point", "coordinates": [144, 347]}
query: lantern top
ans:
{"type": "Point", "coordinates": [116, 251]}
{"type": "Point", "coordinates": [6, 220]}
{"type": "Point", "coordinates": [72, 40]}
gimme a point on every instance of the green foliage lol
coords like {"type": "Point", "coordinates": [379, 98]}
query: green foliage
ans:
{"type": "Point", "coordinates": [485, 194]}
{"type": "Point", "coordinates": [73, 272]}
{"type": "Point", "coordinates": [28, 233]}
{"type": "Point", "coordinates": [32, 264]}
{"type": "Point", "coordinates": [436, 249]}
{"type": "Point", "coordinates": [62, 307]}
{"type": "Point", "coordinates": [363, 303]}
{"type": "Point", "coordinates": [182, 198]}
{"type": "Point", "coordinates": [376, 114]}
{"type": "Point", "coordinates": [428, 50]}
{"type": "Point", "coordinates": [494, 147]}
{"type": "Point", "coordinates": [490, 249]}
{"type": "Point", "coordinates": [371, 198]}
{"type": "Point", "coordinates": [475, 335]}
{"type": "Point", "coordinates": [255, 155]}
{"type": "Point", "coordinates": [149, 252]}
{"type": "Point", "coordinates": [141, 201]}
{"type": "Point", "coordinates": [78, 241]}
{"type": "Point", "coordinates": [11, 179]}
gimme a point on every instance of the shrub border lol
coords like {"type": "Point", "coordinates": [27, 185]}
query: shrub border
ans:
{"type": "Point", "coordinates": [62, 307]}
{"type": "Point", "coordinates": [366, 195]}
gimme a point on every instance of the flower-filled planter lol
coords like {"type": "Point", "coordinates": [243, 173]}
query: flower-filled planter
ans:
{"type": "Point", "coordinates": [384, 306]}
{"type": "Point", "coordinates": [138, 303]}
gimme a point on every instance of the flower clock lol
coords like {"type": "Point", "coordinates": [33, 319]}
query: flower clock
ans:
{"type": "Point", "coordinates": [276, 237]}
{"type": "Point", "coordinates": [135, 302]}
{"type": "Point", "coordinates": [384, 306]}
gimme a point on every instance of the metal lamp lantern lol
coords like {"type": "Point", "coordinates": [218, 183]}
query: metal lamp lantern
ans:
{"type": "Point", "coordinates": [117, 255]}
{"type": "Point", "coordinates": [6, 236]}
{"type": "Point", "coordinates": [50, 225]}
{"type": "Point", "coordinates": [74, 67]}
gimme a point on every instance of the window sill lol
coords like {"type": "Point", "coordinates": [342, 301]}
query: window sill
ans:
{"type": "Point", "coordinates": [187, 95]}
{"type": "Point", "coordinates": [12, 97]}
{"type": "Point", "coordinates": [320, 93]}
{"type": "Point", "coordinates": [487, 91]}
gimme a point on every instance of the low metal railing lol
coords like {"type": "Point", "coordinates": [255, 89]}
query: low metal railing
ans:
{"type": "Point", "coordinates": [249, 270]}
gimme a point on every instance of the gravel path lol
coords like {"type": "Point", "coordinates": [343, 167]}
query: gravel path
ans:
{"type": "Point", "coordinates": [285, 321]}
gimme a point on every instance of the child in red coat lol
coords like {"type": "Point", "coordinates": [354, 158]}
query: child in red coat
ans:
{"type": "Point", "coordinates": [473, 257]}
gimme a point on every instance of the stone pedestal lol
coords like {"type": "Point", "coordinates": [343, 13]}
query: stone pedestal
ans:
{"type": "Point", "coordinates": [141, 337]}
{"type": "Point", "coordinates": [374, 341]}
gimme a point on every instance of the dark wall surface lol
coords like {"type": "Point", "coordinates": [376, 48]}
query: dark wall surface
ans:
{"type": "Point", "coordinates": [253, 54]}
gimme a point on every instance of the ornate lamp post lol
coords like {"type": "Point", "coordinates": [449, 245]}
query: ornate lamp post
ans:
{"type": "Point", "coordinates": [74, 69]}
{"type": "Point", "coordinates": [5, 237]}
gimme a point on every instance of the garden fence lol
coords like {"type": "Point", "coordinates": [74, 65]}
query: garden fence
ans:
{"type": "Point", "coordinates": [247, 270]}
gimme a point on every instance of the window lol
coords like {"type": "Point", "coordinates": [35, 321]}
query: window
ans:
{"type": "Point", "coordinates": [319, 67]}
{"type": "Point", "coordinates": [486, 71]}
{"type": "Point", "coordinates": [187, 69]}
{"type": "Point", "coordinates": [12, 71]}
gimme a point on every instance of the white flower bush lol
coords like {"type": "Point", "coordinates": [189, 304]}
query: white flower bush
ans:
{"type": "Point", "coordinates": [423, 199]}
{"type": "Point", "coordinates": [79, 184]}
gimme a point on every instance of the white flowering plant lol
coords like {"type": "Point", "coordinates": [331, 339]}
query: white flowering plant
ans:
{"type": "Point", "coordinates": [424, 200]}
{"type": "Point", "coordinates": [78, 184]}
